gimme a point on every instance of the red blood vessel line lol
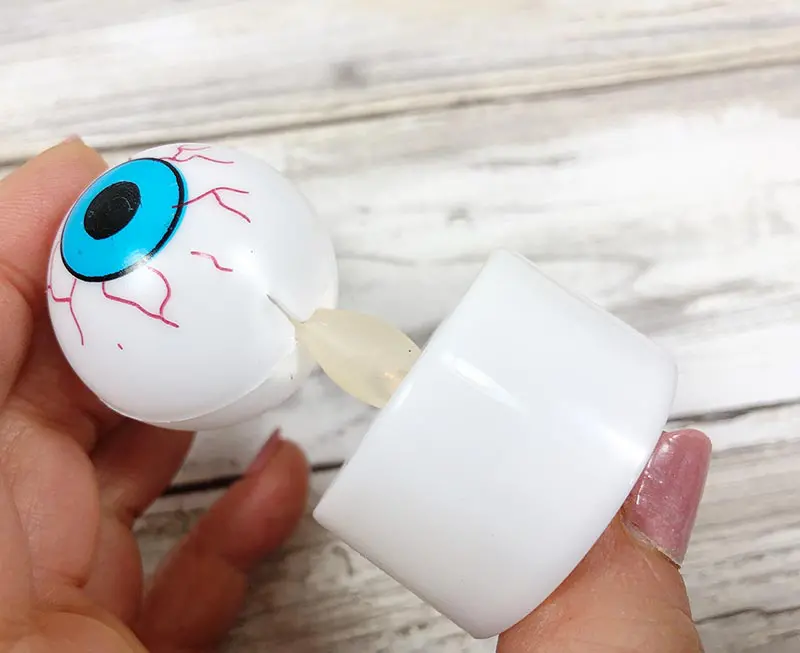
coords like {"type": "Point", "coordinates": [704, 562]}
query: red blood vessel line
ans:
{"type": "Point", "coordinates": [216, 194]}
{"type": "Point", "coordinates": [213, 259]}
{"type": "Point", "coordinates": [183, 149]}
{"type": "Point", "coordinates": [156, 316]}
{"type": "Point", "coordinates": [68, 300]}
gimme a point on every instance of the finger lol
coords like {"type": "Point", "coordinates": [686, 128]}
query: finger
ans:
{"type": "Point", "coordinates": [46, 425]}
{"type": "Point", "coordinates": [199, 590]}
{"type": "Point", "coordinates": [51, 481]}
{"type": "Point", "coordinates": [33, 200]}
{"type": "Point", "coordinates": [133, 464]}
{"type": "Point", "coordinates": [48, 394]}
{"type": "Point", "coordinates": [627, 595]}
{"type": "Point", "coordinates": [15, 568]}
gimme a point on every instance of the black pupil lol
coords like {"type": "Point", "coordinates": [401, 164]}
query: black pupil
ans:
{"type": "Point", "coordinates": [112, 209]}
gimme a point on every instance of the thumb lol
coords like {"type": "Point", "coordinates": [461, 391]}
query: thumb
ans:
{"type": "Point", "coordinates": [627, 595]}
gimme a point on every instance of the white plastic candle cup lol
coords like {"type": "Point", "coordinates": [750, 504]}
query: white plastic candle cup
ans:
{"type": "Point", "coordinates": [507, 450]}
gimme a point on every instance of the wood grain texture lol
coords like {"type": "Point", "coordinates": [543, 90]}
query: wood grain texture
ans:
{"type": "Point", "coordinates": [741, 571]}
{"type": "Point", "coordinates": [671, 204]}
{"type": "Point", "coordinates": [148, 70]}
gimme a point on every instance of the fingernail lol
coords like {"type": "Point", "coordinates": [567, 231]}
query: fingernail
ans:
{"type": "Point", "coordinates": [263, 456]}
{"type": "Point", "coordinates": [662, 508]}
{"type": "Point", "coordinates": [72, 138]}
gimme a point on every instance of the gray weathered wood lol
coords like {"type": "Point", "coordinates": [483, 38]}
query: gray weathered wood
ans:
{"type": "Point", "coordinates": [672, 204]}
{"type": "Point", "coordinates": [148, 70]}
{"type": "Point", "coordinates": [742, 570]}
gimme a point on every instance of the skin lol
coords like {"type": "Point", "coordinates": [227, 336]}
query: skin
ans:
{"type": "Point", "coordinates": [74, 477]}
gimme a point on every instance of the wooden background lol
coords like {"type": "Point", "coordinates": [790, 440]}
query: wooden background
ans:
{"type": "Point", "coordinates": [644, 152]}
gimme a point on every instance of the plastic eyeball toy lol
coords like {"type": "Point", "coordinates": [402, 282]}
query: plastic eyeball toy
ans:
{"type": "Point", "coordinates": [173, 282]}
{"type": "Point", "coordinates": [191, 287]}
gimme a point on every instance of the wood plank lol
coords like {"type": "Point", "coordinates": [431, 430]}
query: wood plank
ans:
{"type": "Point", "coordinates": [672, 204]}
{"type": "Point", "coordinates": [137, 71]}
{"type": "Point", "coordinates": [743, 570]}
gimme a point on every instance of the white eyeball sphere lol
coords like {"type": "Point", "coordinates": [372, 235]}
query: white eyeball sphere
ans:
{"type": "Point", "coordinates": [160, 281]}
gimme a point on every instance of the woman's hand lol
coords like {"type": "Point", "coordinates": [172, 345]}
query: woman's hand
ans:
{"type": "Point", "coordinates": [74, 476]}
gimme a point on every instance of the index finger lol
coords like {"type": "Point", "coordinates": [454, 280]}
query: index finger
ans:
{"type": "Point", "coordinates": [33, 200]}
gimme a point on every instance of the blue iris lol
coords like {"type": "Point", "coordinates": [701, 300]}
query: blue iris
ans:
{"type": "Point", "coordinates": [123, 219]}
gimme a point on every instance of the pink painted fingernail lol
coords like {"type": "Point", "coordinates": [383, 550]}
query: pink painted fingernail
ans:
{"type": "Point", "coordinates": [265, 454]}
{"type": "Point", "coordinates": [662, 507]}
